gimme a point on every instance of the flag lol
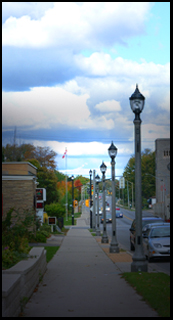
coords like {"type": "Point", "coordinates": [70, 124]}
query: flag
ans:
{"type": "Point", "coordinates": [64, 153]}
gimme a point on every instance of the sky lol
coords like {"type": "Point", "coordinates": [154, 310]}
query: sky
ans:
{"type": "Point", "coordinates": [68, 70]}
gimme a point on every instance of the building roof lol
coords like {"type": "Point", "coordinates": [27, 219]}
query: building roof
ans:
{"type": "Point", "coordinates": [18, 169]}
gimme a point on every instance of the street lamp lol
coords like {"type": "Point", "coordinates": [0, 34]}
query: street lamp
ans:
{"type": "Point", "coordinates": [97, 191]}
{"type": "Point", "coordinates": [72, 178]}
{"type": "Point", "coordinates": [90, 173]}
{"type": "Point", "coordinates": [114, 244]}
{"type": "Point", "coordinates": [94, 203]}
{"type": "Point", "coordinates": [104, 236]}
{"type": "Point", "coordinates": [139, 263]}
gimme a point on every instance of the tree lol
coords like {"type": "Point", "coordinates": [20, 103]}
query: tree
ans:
{"type": "Point", "coordinates": [55, 209]}
{"type": "Point", "coordinates": [35, 163]}
{"type": "Point", "coordinates": [47, 179]}
{"type": "Point", "coordinates": [46, 157]}
{"type": "Point", "coordinates": [148, 182]}
{"type": "Point", "coordinates": [26, 152]}
{"type": "Point", "coordinates": [82, 179]}
{"type": "Point", "coordinates": [60, 176]}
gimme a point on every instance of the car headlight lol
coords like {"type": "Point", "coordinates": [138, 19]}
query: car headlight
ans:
{"type": "Point", "coordinates": [157, 245]}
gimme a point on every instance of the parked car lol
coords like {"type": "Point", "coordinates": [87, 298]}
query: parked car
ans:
{"type": "Point", "coordinates": [150, 225]}
{"type": "Point", "coordinates": [100, 212]}
{"type": "Point", "coordinates": [145, 220]}
{"type": "Point", "coordinates": [118, 213]}
{"type": "Point", "coordinates": [108, 218]}
{"type": "Point", "coordinates": [108, 208]}
{"type": "Point", "coordinates": [156, 241]}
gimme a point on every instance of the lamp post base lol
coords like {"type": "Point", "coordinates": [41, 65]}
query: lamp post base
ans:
{"type": "Point", "coordinates": [105, 239]}
{"type": "Point", "coordinates": [98, 233]}
{"type": "Point", "coordinates": [94, 229]}
{"type": "Point", "coordinates": [114, 248]}
{"type": "Point", "coordinates": [137, 266]}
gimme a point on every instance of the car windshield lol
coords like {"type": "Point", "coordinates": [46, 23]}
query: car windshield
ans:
{"type": "Point", "coordinates": [160, 232]}
{"type": "Point", "coordinates": [144, 222]}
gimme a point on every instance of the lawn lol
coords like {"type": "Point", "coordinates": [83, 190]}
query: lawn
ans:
{"type": "Point", "coordinates": [50, 252]}
{"type": "Point", "coordinates": [154, 288]}
{"type": "Point", "coordinates": [69, 220]}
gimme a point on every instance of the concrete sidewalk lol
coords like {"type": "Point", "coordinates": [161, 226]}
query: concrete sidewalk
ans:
{"type": "Point", "coordinates": [82, 281]}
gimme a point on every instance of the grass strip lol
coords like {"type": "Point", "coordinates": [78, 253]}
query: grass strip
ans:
{"type": "Point", "coordinates": [153, 287]}
{"type": "Point", "coordinates": [50, 252]}
{"type": "Point", "coordinates": [69, 219]}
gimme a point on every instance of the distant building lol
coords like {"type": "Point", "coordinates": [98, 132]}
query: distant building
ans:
{"type": "Point", "coordinates": [162, 174]}
{"type": "Point", "coordinates": [18, 187]}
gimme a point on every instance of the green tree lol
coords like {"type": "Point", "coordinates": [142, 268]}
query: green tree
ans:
{"type": "Point", "coordinates": [60, 176]}
{"type": "Point", "coordinates": [48, 180]}
{"type": "Point", "coordinates": [25, 152]}
{"type": "Point", "coordinates": [82, 179]}
{"type": "Point", "coordinates": [55, 210]}
{"type": "Point", "coordinates": [147, 172]}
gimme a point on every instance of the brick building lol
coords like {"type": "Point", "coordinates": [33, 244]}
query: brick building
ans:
{"type": "Point", "coordinates": [18, 187]}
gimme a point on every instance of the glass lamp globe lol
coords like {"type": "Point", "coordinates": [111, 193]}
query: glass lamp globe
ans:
{"type": "Point", "coordinates": [112, 150]}
{"type": "Point", "coordinates": [103, 167]}
{"type": "Point", "coordinates": [97, 178]}
{"type": "Point", "coordinates": [137, 101]}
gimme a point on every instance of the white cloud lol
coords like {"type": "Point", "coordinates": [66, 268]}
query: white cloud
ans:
{"type": "Point", "coordinates": [18, 9]}
{"type": "Point", "coordinates": [108, 106]}
{"type": "Point", "coordinates": [165, 102]}
{"type": "Point", "coordinates": [44, 107]}
{"type": "Point", "coordinates": [73, 25]}
{"type": "Point", "coordinates": [101, 64]}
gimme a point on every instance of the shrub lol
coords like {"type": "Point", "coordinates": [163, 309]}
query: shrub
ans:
{"type": "Point", "coordinates": [40, 237]}
{"type": "Point", "coordinates": [44, 233]}
{"type": "Point", "coordinates": [15, 238]}
{"type": "Point", "coordinates": [55, 210]}
{"type": "Point", "coordinates": [46, 227]}
{"type": "Point", "coordinates": [10, 258]}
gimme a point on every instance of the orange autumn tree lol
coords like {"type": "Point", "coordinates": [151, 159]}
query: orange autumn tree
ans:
{"type": "Point", "coordinates": [77, 190]}
{"type": "Point", "coordinates": [61, 186]}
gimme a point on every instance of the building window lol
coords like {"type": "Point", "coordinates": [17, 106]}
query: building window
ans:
{"type": "Point", "coordinates": [166, 153]}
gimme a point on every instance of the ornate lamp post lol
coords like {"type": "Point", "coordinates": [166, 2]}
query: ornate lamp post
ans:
{"type": "Point", "coordinates": [104, 236]}
{"type": "Point", "coordinates": [72, 178]}
{"type": "Point", "coordinates": [90, 173]}
{"type": "Point", "coordinates": [94, 203]}
{"type": "Point", "coordinates": [97, 191]}
{"type": "Point", "coordinates": [114, 244]}
{"type": "Point", "coordinates": [139, 263]}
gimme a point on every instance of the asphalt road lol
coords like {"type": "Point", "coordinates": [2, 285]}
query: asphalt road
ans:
{"type": "Point", "coordinates": [123, 234]}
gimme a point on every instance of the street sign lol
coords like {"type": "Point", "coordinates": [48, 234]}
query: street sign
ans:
{"type": "Point", "coordinates": [41, 194]}
{"type": "Point", "coordinates": [52, 220]}
{"type": "Point", "coordinates": [122, 183]}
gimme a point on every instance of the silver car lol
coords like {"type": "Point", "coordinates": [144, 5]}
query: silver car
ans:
{"type": "Point", "coordinates": [156, 241]}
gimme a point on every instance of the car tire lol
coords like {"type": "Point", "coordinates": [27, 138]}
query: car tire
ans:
{"type": "Point", "coordinates": [150, 259]}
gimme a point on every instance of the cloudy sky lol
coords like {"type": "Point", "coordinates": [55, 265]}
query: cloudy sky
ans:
{"type": "Point", "coordinates": [68, 70]}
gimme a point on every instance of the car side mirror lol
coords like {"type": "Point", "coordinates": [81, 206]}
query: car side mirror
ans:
{"type": "Point", "coordinates": [132, 229]}
{"type": "Point", "coordinates": [144, 235]}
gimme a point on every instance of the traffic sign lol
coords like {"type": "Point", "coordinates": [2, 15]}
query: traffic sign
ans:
{"type": "Point", "coordinates": [122, 183]}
